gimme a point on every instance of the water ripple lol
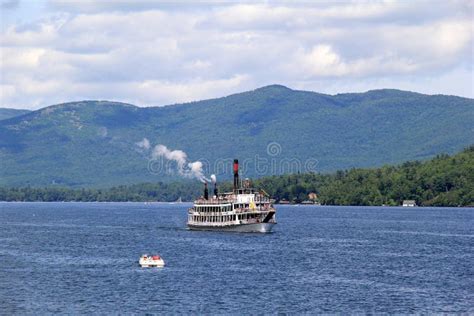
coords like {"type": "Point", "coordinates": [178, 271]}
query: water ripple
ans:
{"type": "Point", "coordinates": [81, 258]}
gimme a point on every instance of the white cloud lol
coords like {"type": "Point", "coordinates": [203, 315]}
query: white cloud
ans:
{"type": "Point", "coordinates": [151, 53]}
{"type": "Point", "coordinates": [323, 61]}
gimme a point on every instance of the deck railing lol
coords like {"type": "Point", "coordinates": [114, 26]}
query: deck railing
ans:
{"type": "Point", "coordinates": [238, 210]}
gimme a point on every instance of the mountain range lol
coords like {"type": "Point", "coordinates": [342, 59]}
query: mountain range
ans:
{"type": "Point", "coordinates": [272, 129]}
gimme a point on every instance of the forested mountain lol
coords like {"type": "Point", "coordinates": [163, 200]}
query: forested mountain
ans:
{"type": "Point", "coordinates": [9, 113]}
{"type": "Point", "coordinates": [94, 143]}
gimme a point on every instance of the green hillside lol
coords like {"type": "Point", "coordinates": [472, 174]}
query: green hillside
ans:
{"type": "Point", "coordinates": [9, 113]}
{"type": "Point", "coordinates": [443, 181]}
{"type": "Point", "coordinates": [93, 143]}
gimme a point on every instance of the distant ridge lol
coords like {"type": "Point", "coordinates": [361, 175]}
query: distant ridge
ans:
{"type": "Point", "coordinates": [93, 143]}
{"type": "Point", "coordinates": [9, 113]}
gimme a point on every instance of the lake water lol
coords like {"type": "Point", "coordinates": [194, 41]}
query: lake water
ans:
{"type": "Point", "coordinates": [83, 258]}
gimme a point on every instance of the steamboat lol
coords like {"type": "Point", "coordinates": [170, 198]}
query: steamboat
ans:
{"type": "Point", "coordinates": [245, 209]}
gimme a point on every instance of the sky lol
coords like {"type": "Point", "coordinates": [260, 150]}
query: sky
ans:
{"type": "Point", "coordinates": [154, 53]}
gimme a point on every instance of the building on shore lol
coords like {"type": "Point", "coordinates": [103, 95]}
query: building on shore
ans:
{"type": "Point", "coordinates": [409, 203]}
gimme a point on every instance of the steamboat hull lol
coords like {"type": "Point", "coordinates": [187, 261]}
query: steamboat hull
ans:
{"type": "Point", "coordinates": [240, 228]}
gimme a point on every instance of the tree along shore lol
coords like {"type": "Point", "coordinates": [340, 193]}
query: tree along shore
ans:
{"type": "Point", "coordinates": [442, 181]}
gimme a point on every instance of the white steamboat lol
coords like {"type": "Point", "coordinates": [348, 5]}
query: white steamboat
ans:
{"type": "Point", "coordinates": [243, 210]}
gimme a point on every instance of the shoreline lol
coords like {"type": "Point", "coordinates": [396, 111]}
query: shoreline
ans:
{"type": "Point", "coordinates": [190, 203]}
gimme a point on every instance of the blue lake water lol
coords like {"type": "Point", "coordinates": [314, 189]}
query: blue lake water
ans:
{"type": "Point", "coordinates": [83, 258]}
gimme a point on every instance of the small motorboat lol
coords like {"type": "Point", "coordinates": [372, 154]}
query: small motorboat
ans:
{"type": "Point", "coordinates": [147, 261]}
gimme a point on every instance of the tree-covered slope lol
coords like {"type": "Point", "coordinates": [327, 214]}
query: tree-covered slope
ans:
{"type": "Point", "coordinates": [9, 113]}
{"type": "Point", "coordinates": [93, 143]}
{"type": "Point", "coordinates": [442, 181]}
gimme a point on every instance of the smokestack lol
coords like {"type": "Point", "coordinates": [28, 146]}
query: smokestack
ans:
{"type": "Point", "coordinates": [206, 191]}
{"type": "Point", "coordinates": [214, 180]}
{"type": "Point", "coordinates": [236, 174]}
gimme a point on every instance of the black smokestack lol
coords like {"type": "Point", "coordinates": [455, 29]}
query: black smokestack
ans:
{"type": "Point", "coordinates": [206, 191]}
{"type": "Point", "coordinates": [236, 174]}
{"type": "Point", "coordinates": [215, 189]}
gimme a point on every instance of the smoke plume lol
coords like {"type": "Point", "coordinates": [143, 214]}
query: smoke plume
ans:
{"type": "Point", "coordinates": [213, 178]}
{"type": "Point", "coordinates": [143, 144]}
{"type": "Point", "coordinates": [185, 168]}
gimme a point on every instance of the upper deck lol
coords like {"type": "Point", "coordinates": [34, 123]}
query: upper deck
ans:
{"type": "Point", "coordinates": [241, 196]}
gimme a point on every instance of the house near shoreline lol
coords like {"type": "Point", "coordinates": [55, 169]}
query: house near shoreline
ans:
{"type": "Point", "coordinates": [409, 203]}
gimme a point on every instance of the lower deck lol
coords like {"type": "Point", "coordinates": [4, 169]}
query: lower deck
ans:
{"type": "Point", "coordinates": [230, 218]}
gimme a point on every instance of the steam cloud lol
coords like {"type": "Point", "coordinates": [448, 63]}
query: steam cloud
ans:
{"type": "Point", "coordinates": [144, 144]}
{"type": "Point", "coordinates": [185, 168]}
{"type": "Point", "coordinates": [213, 178]}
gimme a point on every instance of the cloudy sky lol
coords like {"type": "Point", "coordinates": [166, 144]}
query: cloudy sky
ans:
{"type": "Point", "coordinates": [157, 53]}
